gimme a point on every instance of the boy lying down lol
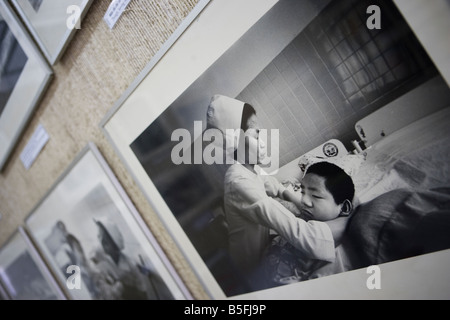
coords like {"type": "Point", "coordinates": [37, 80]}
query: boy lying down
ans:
{"type": "Point", "coordinates": [327, 192]}
{"type": "Point", "coordinates": [398, 224]}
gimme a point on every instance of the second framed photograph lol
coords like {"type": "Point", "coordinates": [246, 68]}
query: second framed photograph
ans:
{"type": "Point", "coordinates": [52, 23]}
{"type": "Point", "coordinates": [95, 241]}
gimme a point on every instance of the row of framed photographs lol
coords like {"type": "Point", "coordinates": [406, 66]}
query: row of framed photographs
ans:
{"type": "Point", "coordinates": [85, 240]}
{"type": "Point", "coordinates": [33, 36]}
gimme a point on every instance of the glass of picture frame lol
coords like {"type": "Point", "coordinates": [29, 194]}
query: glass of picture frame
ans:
{"type": "Point", "coordinates": [218, 60]}
{"type": "Point", "coordinates": [25, 75]}
{"type": "Point", "coordinates": [84, 216]}
{"type": "Point", "coordinates": [23, 273]}
{"type": "Point", "coordinates": [52, 24]}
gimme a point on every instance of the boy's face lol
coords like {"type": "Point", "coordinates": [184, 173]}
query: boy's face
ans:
{"type": "Point", "coordinates": [317, 202]}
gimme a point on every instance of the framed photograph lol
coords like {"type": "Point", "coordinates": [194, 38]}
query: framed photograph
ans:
{"type": "Point", "coordinates": [23, 273]}
{"type": "Point", "coordinates": [24, 77]}
{"type": "Point", "coordinates": [52, 24]}
{"type": "Point", "coordinates": [95, 241]}
{"type": "Point", "coordinates": [311, 70]}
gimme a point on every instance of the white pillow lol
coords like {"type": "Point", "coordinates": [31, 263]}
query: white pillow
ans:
{"type": "Point", "coordinates": [350, 163]}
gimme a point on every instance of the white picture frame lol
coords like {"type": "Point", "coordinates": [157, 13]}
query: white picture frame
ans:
{"type": "Point", "coordinates": [85, 200]}
{"type": "Point", "coordinates": [170, 80]}
{"type": "Point", "coordinates": [23, 273]}
{"type": "Point", "coordinates": [25, 84]}
{"type": "Point", "coordinates": [52, 24]}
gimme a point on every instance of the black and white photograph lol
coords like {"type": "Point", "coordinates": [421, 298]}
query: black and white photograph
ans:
{"type": "Point", "coordinates": [13, 62]}
{"type": "Point", "coordinates": [316, 144]}
{"type": "Point", "coordinates": [23, 274]}
{"type": "Point", "coordinates": [24, 77]}
{"type": "Point", "coordinates": [52, 23]}
{"type": "Point", "coordinates": [90, 235]}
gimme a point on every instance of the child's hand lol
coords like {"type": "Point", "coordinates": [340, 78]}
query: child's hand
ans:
{"type": "Point", "coordinates": [293, 196]}
{"type": "Point", "coordinates": [290, 182]}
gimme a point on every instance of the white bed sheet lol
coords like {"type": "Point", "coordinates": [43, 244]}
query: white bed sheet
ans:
{"type": "Point", "coordinates": [416, 156]}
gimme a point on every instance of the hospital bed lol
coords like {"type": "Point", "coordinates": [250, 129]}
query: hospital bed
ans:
{"type": "Point", "coordinates": [401, 176]}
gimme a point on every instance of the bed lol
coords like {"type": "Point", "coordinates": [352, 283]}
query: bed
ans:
{"type": "Point", "coordinates": [414, 156]}
{"type": "Point", "coordinates": [403, 193]}
{"type": "Point", "coordinates": [402, 185]}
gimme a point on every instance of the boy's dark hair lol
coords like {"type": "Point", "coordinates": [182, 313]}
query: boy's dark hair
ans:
{"type": "Point", "coordinates": [337, 181]}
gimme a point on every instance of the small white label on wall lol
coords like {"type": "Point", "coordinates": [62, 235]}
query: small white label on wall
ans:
{"type": "Point", "coordinates": [115, 10]}
{"type": "Point", "coordinates": [34, 147]}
